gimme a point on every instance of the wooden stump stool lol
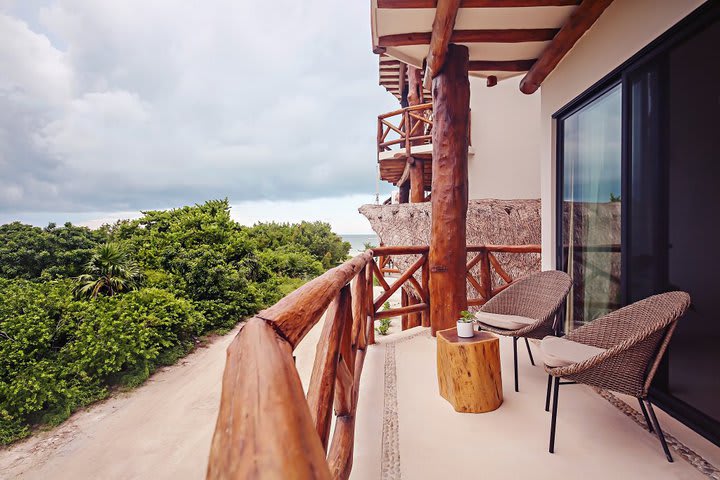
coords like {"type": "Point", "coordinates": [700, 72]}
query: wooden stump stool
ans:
{"type": "Point", "coordinates": [469, 371]}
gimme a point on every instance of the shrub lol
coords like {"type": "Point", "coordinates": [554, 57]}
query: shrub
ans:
{"type": "Point", "coordinates": [58, 354]}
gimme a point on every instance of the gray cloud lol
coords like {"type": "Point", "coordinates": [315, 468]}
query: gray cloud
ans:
{"type": "Point", "coordinates": [108, 105]}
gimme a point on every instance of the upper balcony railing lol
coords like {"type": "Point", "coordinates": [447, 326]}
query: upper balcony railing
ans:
{"type": "Point", "coordinates": [267, 426]}
{"type": "Point", "coordinates": [405, 128]}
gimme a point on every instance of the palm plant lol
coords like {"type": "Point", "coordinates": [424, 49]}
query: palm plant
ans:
{"type": "Point", "coordinates": [109, 271]}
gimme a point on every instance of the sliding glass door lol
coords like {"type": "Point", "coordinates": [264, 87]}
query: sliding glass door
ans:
{"type": "Point", "coordinates": [638, 196]}
{"type": "Point", "coordinates": [591, 199]}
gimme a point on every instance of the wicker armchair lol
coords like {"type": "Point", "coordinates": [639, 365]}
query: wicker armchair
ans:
{"type": "Point", "coordinates": [536, 298]}
{"type": "Point", "coordinates": [633, 340]}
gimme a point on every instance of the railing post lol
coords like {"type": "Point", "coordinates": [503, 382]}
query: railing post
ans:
{"type": "Point", "coordinates": [379, 137]}
{"type": "Point", "coordinates": [408, 130]}
{"type": "Point", "coordinates": [359, 306]}
{"type": "Point", "coordinates": [425, 318]}
{"type": "Point", "coordinates": [370, 308]}
{"type": "Point", "coordinates": [322, 381]}
{"type": "Point", "coordinates": [264, 427]}
{"type": "Point", "coordinates": [485, 274]}
{"type": "Point", "coordinates": [404, 303]}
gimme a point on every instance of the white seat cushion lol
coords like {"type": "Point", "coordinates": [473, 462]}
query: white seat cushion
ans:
{"type": "Point", "coordinates": [560, 352]}
{"type": "Point", "coordinates": [507, 322]}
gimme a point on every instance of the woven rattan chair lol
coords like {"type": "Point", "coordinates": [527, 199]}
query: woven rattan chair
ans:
{"type": "Point", "coordinates": [631, 341]}
{"type": "Point", "coordinates": [531, 304]}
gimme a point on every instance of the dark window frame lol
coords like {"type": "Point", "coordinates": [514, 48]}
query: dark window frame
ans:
{"type": "Point", "coordinates": [693, 23]}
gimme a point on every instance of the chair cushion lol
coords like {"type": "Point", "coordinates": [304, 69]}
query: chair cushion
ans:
{"type": "Point", "coordinates": [560, 352]}
{"type": "Point", "coordinates": [507, 322]}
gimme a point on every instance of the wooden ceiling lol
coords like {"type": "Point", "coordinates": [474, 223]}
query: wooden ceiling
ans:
{"type": "Point", "coordinates": [389, 69]}
{"type": "Point", "coordinates": [505, 38]}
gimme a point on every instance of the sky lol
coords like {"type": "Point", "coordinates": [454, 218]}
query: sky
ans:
{"type": "Point", "coordinates": [108, 108]}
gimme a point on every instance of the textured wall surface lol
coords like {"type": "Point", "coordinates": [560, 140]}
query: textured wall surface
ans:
{"type": "Point", "coordinates": [499, 222]}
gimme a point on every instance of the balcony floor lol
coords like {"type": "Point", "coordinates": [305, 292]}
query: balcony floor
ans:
{"type": "Point", "coordinates": [406, 430]}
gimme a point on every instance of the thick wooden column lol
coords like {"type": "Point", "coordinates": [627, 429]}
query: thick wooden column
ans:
{"type": "Point", "coordinates": [447, 256]}
{"type": "Point", "coordinates": [404, 192]}
{"type": "Point", "coordinates": [417, 187]}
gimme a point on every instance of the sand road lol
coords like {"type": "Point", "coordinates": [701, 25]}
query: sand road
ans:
{"type": "Point", "coordinates": [161, 430]}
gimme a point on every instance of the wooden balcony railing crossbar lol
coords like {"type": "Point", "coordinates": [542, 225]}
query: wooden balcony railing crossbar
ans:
{"type": "Point", "coordinates": [267, 426]}
{"type": "Point", "coordinates": [488, 263]}
{"type": "Point", "coordinates": [405, 127]}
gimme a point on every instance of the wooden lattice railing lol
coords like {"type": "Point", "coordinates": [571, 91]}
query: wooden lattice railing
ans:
{"type": "Point", "coordinates": [267, 426]}
{"type": "Point", "coordinates": [405, 127]}
{"type": "Point", "coordinates": [487, 261]}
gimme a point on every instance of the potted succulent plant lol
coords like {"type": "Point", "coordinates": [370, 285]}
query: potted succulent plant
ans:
{"type": "Point", "coordinates": [465, 324]}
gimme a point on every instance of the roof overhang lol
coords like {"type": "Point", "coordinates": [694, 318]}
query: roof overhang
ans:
{"type": "Point", "coordinates": [505, 38]}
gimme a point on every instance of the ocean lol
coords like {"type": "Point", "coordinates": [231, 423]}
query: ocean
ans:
{"type": "Point", "coordinates": [357, 242]}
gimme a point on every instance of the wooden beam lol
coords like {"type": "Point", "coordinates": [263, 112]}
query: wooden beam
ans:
{"type": "Point", "coordinates": [581, 19]}
{"type": "Point", "coordinates": [501, 65]}
{"type": "Point", "coordinates": [477, 3]}
{"type": "Point", "coordinates": [472, 36]}
{"type": "Point", "coordinates": [442, 29]}
{"type": "Point", "coordinates": [447, 255]}
{"type": "Point", "coordinates": [394, 312]}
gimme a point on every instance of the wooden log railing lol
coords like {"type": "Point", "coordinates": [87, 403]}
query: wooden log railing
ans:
{"type": "Point", "coordinates": [405, 127]}
{"type": "Point", "coordinates": [267, 426]}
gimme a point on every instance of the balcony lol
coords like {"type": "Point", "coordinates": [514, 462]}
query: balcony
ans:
{"type": "Point", "coordinates": [389, 420]}
{"type": "Point", "coordinates": [404, 134]}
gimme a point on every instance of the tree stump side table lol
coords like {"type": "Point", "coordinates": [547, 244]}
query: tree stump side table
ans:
{"type": "Point", "coordinates": [469, 371]}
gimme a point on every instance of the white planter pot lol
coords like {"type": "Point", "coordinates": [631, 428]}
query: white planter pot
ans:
{"type": "Point", "coordinates": [465, 329]}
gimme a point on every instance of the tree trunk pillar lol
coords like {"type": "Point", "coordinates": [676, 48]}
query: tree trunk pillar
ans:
{"type": "Point", "coordinates": [404, 192]}
{"type": "Point", "coordinates": [417, 187]}
{"type": "Point", "coordinates": [417, 183]}
{"type": "Point", "coordinates": [447, 256]}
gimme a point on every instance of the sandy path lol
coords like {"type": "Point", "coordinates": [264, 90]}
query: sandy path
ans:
{"type": "Point", "coordinates": [160, 430]}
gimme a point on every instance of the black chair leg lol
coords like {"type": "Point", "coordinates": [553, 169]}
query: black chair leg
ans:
{"type": "Point", "coordinates": [658, 431]}
{"type": "Point", "coordinates": [553, 422]}
{"type": "Point", "coordinates": [515, 340]}
{"type": "Point", "coordinates": [645, 414]}
{"type": "Point", "coordinates": [547, 394]}
{"type": "Point", "coordinates": [527, 344]}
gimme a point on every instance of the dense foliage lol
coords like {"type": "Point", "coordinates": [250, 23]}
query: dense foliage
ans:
{"type": "Point", "coordinates": [32, 253]}
{"type": "Point", "coordinates": [187, 271]}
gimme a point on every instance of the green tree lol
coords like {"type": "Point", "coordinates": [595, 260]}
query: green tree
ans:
{"type": "Point", "coordinates": [33, 253]}
{"type": "Point", "coordinates": [109, 271]}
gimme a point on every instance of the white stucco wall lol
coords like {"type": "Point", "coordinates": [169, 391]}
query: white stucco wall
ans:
{"type": "Point", "coordinates": [505, 132]}
{"type": "Point", "coordinates": [621, 31]}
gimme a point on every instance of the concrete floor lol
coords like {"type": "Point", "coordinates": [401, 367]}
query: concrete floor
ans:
{"type": "Point", "coordinates": [429, 440]}
{"type": "Point", "coordinates": [162, 430]}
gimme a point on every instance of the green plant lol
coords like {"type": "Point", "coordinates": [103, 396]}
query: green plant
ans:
{"type": "Point", "coordinates": [201, 272]}
{"type": "Point", "coordinates": [109, 271]}
{"type": "Point", "coordinates": [368, 246]}
{"type": "Point", "coordinates": [384, 327]}
{"type": "Point", "coordinates": [386, 306]}
{"type": "Point", "coordinates": [466, 317]}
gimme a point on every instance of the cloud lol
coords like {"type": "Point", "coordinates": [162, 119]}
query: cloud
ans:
{"type": "Point", "coordinates": [120, 106]}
